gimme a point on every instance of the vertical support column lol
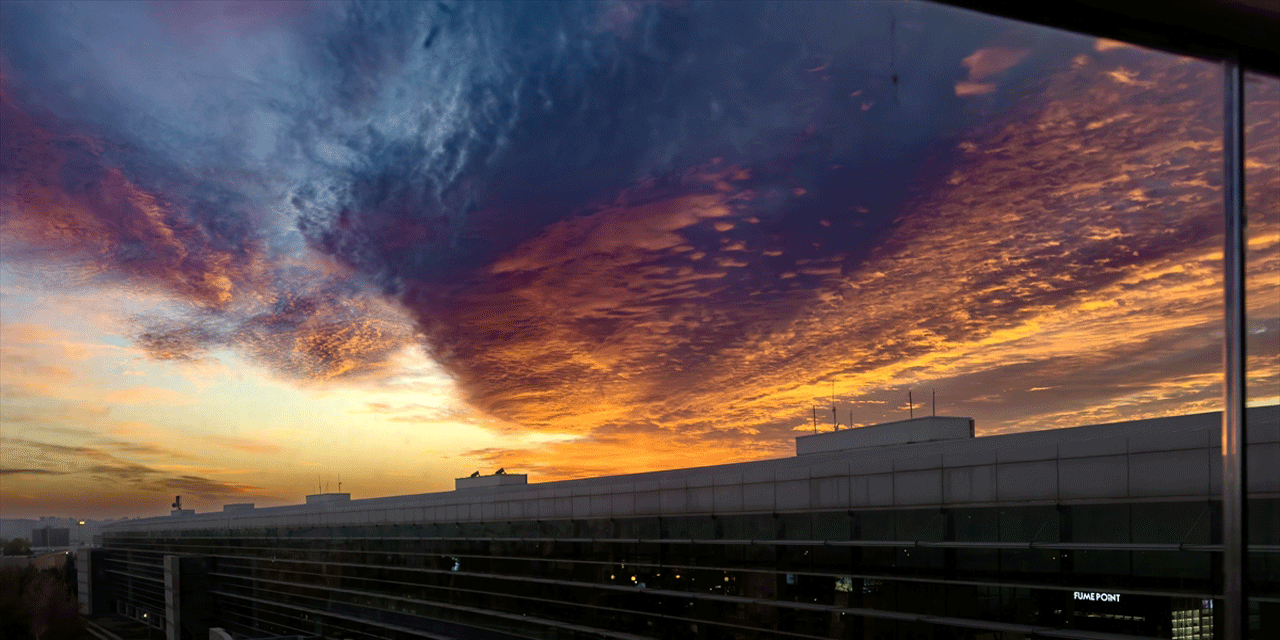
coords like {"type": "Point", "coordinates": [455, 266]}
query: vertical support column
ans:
{"type": "Point", "coordinates": [172, 597]}
{"type": "Point", "coordinates": [1234, 486]}
{"type": "Point", "coordinates": [84, 581]}
{"type": "Point", "coordinates": [187, 604]}
{"type": "Point", "coordinates": [94, 586]}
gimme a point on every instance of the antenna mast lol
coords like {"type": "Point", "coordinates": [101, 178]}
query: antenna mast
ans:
{"type": "Point", "coordinates": [911, 405]}
{"type": "Point", "coordinates": [935, 403]}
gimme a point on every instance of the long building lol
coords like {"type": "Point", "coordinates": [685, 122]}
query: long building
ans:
{"type": "Point", "coordinates": [902, 530]}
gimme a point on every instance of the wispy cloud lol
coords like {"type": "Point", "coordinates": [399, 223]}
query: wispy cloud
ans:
{"type": "Point", "coordinates": [244, 445]}
{"type": "Point", "coordinates": [35, 472]}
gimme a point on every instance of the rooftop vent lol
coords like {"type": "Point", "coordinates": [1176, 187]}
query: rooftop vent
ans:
{"type": "Point", "coordinates": [889, 433]}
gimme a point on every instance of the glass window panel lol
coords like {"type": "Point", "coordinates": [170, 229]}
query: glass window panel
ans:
{"type": "Point", "coordinates": [1029, 524]}
{"type": "Point", "coordinates": [1172, 522]}
{"type": "Point", "coordinates": [977, 560]}
{"type": "Point", "coordinates": [639, 528]}
{"type": "Point", "coordinates": [976, 525]}
{"type": "Point", "coordinates": [875, 525]}
{"type": "Point", "coordinates": [796, 526]}
{"type": "Point", "coordinates": [1029, 561]}
{"type": "Point", "coordinates": [831, 525]}
{"type": "Point", "coordinates": [760, 526]}
{"type": "Point", "coordinates": [1106, 523]}
{"type": "Point", "coordinates": [928, 525]}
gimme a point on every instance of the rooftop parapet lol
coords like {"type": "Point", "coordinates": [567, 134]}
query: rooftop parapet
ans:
{"type": "Point", "coordinates": [925, 429]}
{"type": "Point", "coordinates": [320, 498]}
{"type": "Point", "coordinates": [496, 480]}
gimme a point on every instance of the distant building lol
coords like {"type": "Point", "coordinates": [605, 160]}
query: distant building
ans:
{"type": "Point", "coordinates": [914, 529]}
{"type": "Point", "coordinates": [51, 537]}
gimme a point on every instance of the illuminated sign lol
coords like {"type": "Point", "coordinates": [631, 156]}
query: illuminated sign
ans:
{"type": "Point", "coordinates": [1094, 596]}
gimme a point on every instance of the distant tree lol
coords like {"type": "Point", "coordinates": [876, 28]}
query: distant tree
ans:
{"type": "Point", "coordinates": [17, 547]}
{"type": "Point", "coordinates": [36, 604]}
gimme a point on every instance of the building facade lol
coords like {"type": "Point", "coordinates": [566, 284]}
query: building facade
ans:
{"type": "Point", "coordinates": [909, 529]}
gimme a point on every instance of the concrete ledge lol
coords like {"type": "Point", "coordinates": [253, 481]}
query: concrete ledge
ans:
{"type": "Point", "coordinates": [328, 497]}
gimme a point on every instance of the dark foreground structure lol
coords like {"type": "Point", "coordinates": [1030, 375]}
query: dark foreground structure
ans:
{"type": "Point", "coordinates": [914, 529]}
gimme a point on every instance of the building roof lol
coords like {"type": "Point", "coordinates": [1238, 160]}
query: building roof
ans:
{"type": "Point", "coordinates": [1172, 458]}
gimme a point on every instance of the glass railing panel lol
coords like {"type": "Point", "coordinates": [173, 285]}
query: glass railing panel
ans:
{"type": "Point", "coordinates": [1262, 348]}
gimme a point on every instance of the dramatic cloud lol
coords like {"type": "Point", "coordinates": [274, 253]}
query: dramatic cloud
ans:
{"type": "Point", "coordinates": [628, 235]}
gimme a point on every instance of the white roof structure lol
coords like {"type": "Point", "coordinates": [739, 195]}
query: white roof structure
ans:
{"type": "Point", "coordinates": [1160, 459]}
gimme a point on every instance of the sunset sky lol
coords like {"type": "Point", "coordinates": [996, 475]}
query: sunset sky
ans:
{"type": "Point", "coordinates": [246, 248]}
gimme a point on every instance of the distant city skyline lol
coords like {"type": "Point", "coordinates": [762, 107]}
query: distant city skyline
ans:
{"type": "Point", "coordinates": [247, 248]}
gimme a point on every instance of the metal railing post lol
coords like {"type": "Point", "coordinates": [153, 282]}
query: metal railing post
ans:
{"type": "Point", "coordinates": [1234, 486]}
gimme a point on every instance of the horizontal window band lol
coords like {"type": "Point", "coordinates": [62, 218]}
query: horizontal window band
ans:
{"type": "Point", "coordinates": [959, 544]}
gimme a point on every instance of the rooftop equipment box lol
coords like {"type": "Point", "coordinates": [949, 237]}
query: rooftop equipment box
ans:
{"type": "Point", "coordinates": [498, 480]}
{"type": "Point", "coordinates": [889, 433]}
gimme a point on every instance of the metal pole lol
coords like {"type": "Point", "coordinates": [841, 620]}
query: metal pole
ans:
{"type": "Point", "coordinates": [1234, 485]}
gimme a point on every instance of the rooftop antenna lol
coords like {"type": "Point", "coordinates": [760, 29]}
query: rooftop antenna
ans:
{"type": "Point", "coordinates": [319, 485]}
{"type": "Point", "coordinates": [935, 403]}
{"type": "Point", "coordinates": [815, 418]}
{"type": "Point", "coordinates": [911, 406]}
{"type": "Point", "coordinates": [834, 422]}
{"type": "Point", "coordinates": [893, 53]}
{"type": "Point", "coordinates": [339, 483]}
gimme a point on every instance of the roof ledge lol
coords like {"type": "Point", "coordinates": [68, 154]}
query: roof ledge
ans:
{"type": "Point", "coordinates": [927, 429]}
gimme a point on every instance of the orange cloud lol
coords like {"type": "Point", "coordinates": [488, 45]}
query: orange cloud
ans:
{"type": "Point", "coordinates": [964, 88]}
{"type": "Point", "coordinates": [986, 63]}
{"type": "Point", "coordinates": [245, 445]}
{"type": "Point", "coordinates": [146, 396]}
{"type": "Point", "coordinates": [991, 61]}
{"type": "Point", "coordinates": [64, 197]}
